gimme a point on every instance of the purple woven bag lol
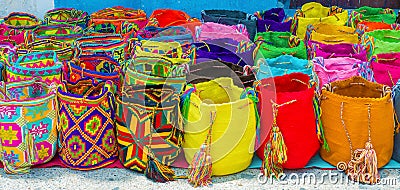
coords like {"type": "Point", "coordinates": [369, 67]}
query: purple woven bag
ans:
{"type": "Point", "coordinates": [272, 20]}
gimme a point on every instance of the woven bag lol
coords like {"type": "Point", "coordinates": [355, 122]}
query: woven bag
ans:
{"type": "Point", "coordinates": [59, 32]}
{"type": "Point", "coordinates": [155, 71]}
{"type": "Point", "coordinates": [231, 17]}
{"type": "Point", "coordinates": [172, 51]}
{"type": "Point", "coordinates": [114, 46]}
{"type": "Point", "coordinates": [63, 50]}
{"type": "Point", "coordinates": [169, 34]}
{"type": "Point", "coordinates": [10, 35]}
{"type": "Point", "coordinates": [282, 65]}
{"type": "Point", "coordinates": [274, 44]}
{"type": "Point", "coordinates": [86, 120]}
{"type": "Point", "coordinates": [356, 51]}
{"type": "Point", "coordinates": [210, 70]}
{"type": "Point", "coordinates": [312, 13]}
{"type": "Point", "coordinates": [386, 68]}
{"type": "Point", "coordinates": [381, 41]}
{"type": "Point", "coordinates": [210, 30]}
{"type": "Point", "coordinates": [28, 127]}
{"type": "Point", "coordinates": [357, 113]}
{"type": "Point", "coordinates": [227, 50]}
{"type": "Point", "coordinates": [99, 67]}
{"type": "Point", "coordinates": [20, 21]}
{"type": "Point", "coordinates": [396, 103]}
{"type": "Point", "coordinates": [223, 117]}
{"type": "Point", "coordinates": [272, 20]}
{"type": "Point", "coordinates": [43, 65]}
{"type": "Point", "coordinates": [368, 26]}
{"type": "Point", "coordinates": [69, 16]}
{"type": "Point", "coordinates": [294, 94]}
{"type": "Point", "coordinates": [341, 68]}
{"type": "Point", "coordinates": [371, 14]}
{"type": "Point", "coordinates": [154, 126]}
{"type": "Point", "coordinates": [168, 17]}
{"type": "Point", "coordinates": [332, 34]}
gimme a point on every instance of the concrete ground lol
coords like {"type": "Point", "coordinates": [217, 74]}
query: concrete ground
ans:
{"type": "Point", "coordinates": [118, 179]}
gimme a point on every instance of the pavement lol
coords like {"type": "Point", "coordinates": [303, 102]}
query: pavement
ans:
{"type": "Point", "coordinates": [120, 179]}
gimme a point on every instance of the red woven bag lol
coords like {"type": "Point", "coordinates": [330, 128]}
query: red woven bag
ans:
{"type": "Point", "coordinates": [295, 117]}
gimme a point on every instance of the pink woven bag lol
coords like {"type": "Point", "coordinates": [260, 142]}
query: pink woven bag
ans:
{"type": "Point", "coordinates": [386, 68]}
{"type": "Point", "coordinates": [210, 30]}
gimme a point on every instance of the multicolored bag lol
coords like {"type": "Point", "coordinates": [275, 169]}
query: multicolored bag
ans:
{"type": "Point", "coordinates": [63, 50]}
{"type": "Point", "coordinates": [114, 46]}
{"type": "Point", "coordinates": [155, 71]}
{"type": "Point", "coordinates": [280, 114]}
{"type": "Point", "coordinates": [356, 51]}
{"type": "Point", "coordinates": [274, 44]}
{"type": "Point", "coordinates": [272, 21]}
{"type": "Point", "coordinates": [28, 127]}
{"type": "Point", "coordinates": [86, 121]}
{"type": "Point", "coordinates": [168, 17]}
{"type": "Point", "coordinates": [11, 36]}
{"type": "Point", "coordinates": [282, 65]}
{"type": "Point", "coordinates": [43, 65]}
{"type": "Point", "coordinates": [169, 34]}
{"type": "Point", "coordinates": [381, 41]}
{"type": "Point", "coordinates": [20, 21]}
{"type": "Point", "coordinates": [99, 67]}
{"type": "Point", "coordinates": [371, 14]}
{"type": "Point", "coordinates": [341, 68]}
{"type": "Point", "coordinates": [210, 70]}
{"type": "Point", "coordinates": [358, 121]}
{"type": "Point", "coordinates": [227, 50]}
{"type": "Point", "coordinates": [231, 17]}
{"type": "Point", "coordinates": [221, 118]}
{"type": "Point", "coordinates": [154, 126]}
{"type": "Point", "coordinates": [386, 68]}
{"type": "Point", "coordinates": [69, 16]}
{"type": "Point", "coordinates": [313, 13]}
{"type": "Point", "coordinates": [332, 34]}
{"type": "Point", "coordinates": [210, 30]}
{"type": "Point", "coordinates": [59, 32]}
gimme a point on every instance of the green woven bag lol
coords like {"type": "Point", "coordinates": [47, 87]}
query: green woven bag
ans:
{"type": "Point", "coordinates": [371, 14]}
{"type": "Point", "coordinates": [381, 41]}
{"type": "Point", "coordinates": [275, 44]}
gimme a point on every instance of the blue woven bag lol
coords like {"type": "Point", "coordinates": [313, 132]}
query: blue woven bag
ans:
{"type": "Point", "coordinates": [284, 64]}
{"type": "Point", "coordinates": [396, 103]}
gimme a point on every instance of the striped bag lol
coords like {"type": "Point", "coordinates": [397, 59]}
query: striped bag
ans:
{"type": "Point", "coordinates": [43, 65]}
{"type": "Point", "coordinates": [28, 127]}
{"type": "Point", "coordinates": [11, 35]}
{"type": "Point", "coordinates": [21, 22]}
{"type": "Point", "coordinates": [58, 32]}
{"type": "Point", "coordinates": [86, 120]}
{"type": "Point", "coordinates": [69, 16]}
{"type": "Point", "coordinates": [153, 127]}
{"type": "Point", "coordinates": [63, 50]}
{"type": "Point", "coordinates": [274, 44]}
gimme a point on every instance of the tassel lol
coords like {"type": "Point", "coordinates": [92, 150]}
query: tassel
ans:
{"type": "Point", "coordinates": [320, 130]}
{"type": "Point", "coordinates": [274, 154]}
{"type": "Point", "coordinates": [363, 167]}
{"type": "Point", "coordinates": [158, 172]}
{"type": "Point", "coordinates": [200, 170]}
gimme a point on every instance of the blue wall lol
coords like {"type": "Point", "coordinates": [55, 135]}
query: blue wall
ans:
{"type": "Point", "coordinates": [192, 7]}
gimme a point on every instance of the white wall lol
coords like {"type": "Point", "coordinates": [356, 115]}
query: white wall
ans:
{"type": "Point", "coordinates": [35, 7]}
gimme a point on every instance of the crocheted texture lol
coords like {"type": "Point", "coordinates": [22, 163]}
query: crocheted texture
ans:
{"type": "Point", "coordinates": [234, 128]}
{"type": "Point", "coordinates": [274, 44]}
{"type": "Point", "coordinates": [43, 65]}
{"type": "Point", "coordinates": [70, 16]}
{"type": "Point", "coordinates": [63, 50]}
{"type": "Point", "coordinates": [299, 131]}
{"type": "Point", "coordinates": [282, 65]}
{"type": "Point", "coordinates": [153, 126]}
{"type": "Point", "coordinates": [356, 94]}
{"type": "Point", "coordinates": [371, 14]}
{"type": "Point", "coordinates": [28, 127]}
{"type": "Point", "coordinates": [386, 68]}
{"type": "Point", "coordinates": [272, 20]}
{"type": "Point", "coordinates": [381, 41]}
{"type": "Point", "coordinates": [210, 30]}
{"type": "Point", "coordinates": [86, 122]}
{"type": "Point", "coordinates": [317, 49]}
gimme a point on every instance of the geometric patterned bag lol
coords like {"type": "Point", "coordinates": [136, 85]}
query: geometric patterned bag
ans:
{"type": "Point", "coordinates": [63, 50]}
{"type": "Point", "coordinates": [28, 127]}
{"type": "Point", "coordinates": [60, 32]}
{"type": "Point", "coordinates": [69, 16]}
{"type": "Point", "coordinates": [21, 22]}
{"type": "Point", "coordinates": [154, 126]}
{"type": "Point", "coordinates": [10, 35]}
{"type": "Point", "coordinates": [86, 121]}
{"type": "Point", "coordinates": [43, 65]}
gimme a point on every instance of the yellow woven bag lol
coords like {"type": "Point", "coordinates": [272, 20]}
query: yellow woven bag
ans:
{"type": "Point", "coordinates": [312, 13]}
{"type": "Point", "coordinates": [357, 116]}
{"type": "Point", "coordinates": [332, 34]}
{"type": "Point", "coordinates": [232, 126]}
